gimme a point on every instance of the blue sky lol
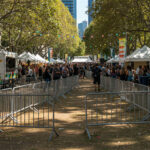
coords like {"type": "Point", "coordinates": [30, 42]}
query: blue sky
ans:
{"type": "Point", "coordinates": [82, 7]}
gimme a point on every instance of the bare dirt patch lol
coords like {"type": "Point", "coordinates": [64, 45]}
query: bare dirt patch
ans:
{"type": "Point", "coordinates": [70, 124]}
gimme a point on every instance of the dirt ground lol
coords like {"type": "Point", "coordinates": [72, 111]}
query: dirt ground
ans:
{"type": "Point", "coordinates": [70, 125]}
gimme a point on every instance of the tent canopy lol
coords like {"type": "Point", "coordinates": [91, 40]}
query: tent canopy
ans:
{"type": "Point", "coordinates": [82, 59]}
{"type": "Point", "coordinates": [27, 56]}
{"type": "Point", "coordinates": [60, 61]}
{"type": "Point", "coordinates": [114, 60]}
{"type": "Point", "coordinates": [41, 59]}
{"type": "Point", "coordinates": [31, 57]}
{"type": "Point", "coordinates": [142, 54]}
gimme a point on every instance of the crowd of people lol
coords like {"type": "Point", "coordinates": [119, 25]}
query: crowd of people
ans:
{"type": "Point", "coordinates": [57, 71]}
{"type": "Point", "coordinates": [28, 73]}
{"type": "Point", "coordinates": [126, 74]}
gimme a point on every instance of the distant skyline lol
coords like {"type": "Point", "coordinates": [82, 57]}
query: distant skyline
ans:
{"type": "Point", "coordinates": [90, 6]}
{"type": "Point", "coordinates": [82, 7]}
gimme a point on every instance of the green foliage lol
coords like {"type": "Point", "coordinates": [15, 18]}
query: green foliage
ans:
{"type": "Point", "coordinates": [33, 25]}
{"type": "Point", "coordinates": [115, 19]}
{"type": "Point", "coordinates": [81, 49]}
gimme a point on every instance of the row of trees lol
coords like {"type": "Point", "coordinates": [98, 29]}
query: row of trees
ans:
{"type": "Point", "coordinates": [33, 25]}
{"type": "Point", "coordinates": [113, 19]}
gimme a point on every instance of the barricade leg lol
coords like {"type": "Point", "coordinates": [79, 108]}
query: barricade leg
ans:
{"type": "Point", "coordinates": [53, 129]}
{"type": "Point", "coordinates": [1, 130]}
{"type": "Point", "coordinates": [88, 133]}
{"type": "Point", "coordinates": [146, 117]}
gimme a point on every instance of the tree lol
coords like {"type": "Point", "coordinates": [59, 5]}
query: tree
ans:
{"type": "Point", "coordinates": [38, 24]}
{"type": "Point", "coordinates": [118, 18]}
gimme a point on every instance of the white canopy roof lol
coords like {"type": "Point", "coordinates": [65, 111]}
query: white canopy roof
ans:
{"type": "Point", "coordinates": [82, 59]}
{"type": "Point", "coordinates": [27, 56]}
{"type": "Point", "coordinates": [114, 60]}
{"type": "Point", "coordinates": [41, 59]}
{"type": "Point", "coordinates": [142, 54]}
{"type": "Point", "coordinates": [60, 61]}
{"type": "Point", "coordinates": [31, 57]}
{"type": "Point", "coordinates": [52, 60]}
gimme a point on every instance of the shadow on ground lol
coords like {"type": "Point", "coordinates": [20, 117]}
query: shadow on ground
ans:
{"type": "Point", "coordinates": [70, 124]}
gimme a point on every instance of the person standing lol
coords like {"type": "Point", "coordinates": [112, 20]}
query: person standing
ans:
{"type": "Point", "coordinates": [47, 77]}
{"type": "Point", "coordinates": [56, 73]}
{"type": "Point", "coordinates": [76, 70]}
{"type": "Point", "coordinates": [96, 76]}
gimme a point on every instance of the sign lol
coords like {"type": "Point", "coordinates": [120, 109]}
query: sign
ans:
{"type": "Point", "coordinates": [66, 56]}
{"type": "Point", "coordinates": [112, 51]}
{"type": "Point", "coordinates": [122, 48]}
{"type": "Point", "coordinates": [50, 54]}
{"type": "Point", "coordinates": [95, 57]}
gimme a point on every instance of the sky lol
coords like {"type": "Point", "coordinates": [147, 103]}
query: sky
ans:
{"type": "Point", "coordinates": [82, 7]}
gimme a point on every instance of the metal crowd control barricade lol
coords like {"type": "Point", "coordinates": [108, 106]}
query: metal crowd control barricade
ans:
{"type": "Point", "coordinates": [31, 105]}
{"type": "Point", "coordinates": [111, 108]}
{"type": "Point", "coordinates": [5, 105]}
{"type": "Point", "coordinates": [16, 105]}
{"type": "Point", "coordinates": [116, 85]}
{"type": "Point", "coordinates": [88, 74]}
{"type": "Point", "coordinates": [43, 118]}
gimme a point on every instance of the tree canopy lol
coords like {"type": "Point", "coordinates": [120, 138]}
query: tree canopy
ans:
{"type": "Point", "coordinates": [35, 25]}
{"type": "Point", "coordinates": [114, 19]}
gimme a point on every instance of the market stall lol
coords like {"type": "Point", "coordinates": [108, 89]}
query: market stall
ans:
{"type": "Point", "coordinates": [139, 57]}
{"type": "Point", "coordinates": [8, 65]}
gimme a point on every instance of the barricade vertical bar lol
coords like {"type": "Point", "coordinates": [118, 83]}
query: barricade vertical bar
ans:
{"type": "Point", "coordinates": [21, 98]}
{"type": "Point", "coordinates": [112, 101]}
{"type": "Point", "coordinates": [53, 126]}
{"type": "Point", "coordinates": [86, 120]}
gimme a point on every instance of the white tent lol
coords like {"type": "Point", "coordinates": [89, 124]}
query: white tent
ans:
{"type": "Point", "coordinates": [42, 60]}
{"type": "Point", "coordinates": [142, 54]}
{"type": "Point", "coordinates": [52, 60]}
{"type": "Point", "coordinates": [82, 59]}
{"type": "Point", "coordinates": [113, 60]}
{"type": "Point", "coordinates": [28, 56]}
{"type": "Point", "coordinates": [60, 61]}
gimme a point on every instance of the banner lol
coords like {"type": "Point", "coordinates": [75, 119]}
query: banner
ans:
{"type": "Point", "coordinates": [51, 53]}
{"type": "Point", "coordinates": [99, 56]}
{"type": "Point", "coordinates": [95, 57]}
{"type": "Point", "coordinates": [112, 51]}
{"type": "Point", "coordinates": [122, 48]}
{"type": "Point", "coordinates": [66, 56]}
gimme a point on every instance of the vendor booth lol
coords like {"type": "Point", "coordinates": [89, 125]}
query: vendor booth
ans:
{"type": "Point", "coordinates": [8, 65]}
{"type": "Point", "coordinates": [139, 57]}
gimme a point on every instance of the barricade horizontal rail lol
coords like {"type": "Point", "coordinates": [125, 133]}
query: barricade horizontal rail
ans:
{"type": "Point", "coordinates": [14, 102]}
{"type": "Point", "coordinates": [42, 118]}
{"type": "Point", "coordinates": [88, 74]}
{"type": "Point", "coordinates": [116, 85]}
{"type": "Point", "coordinates": [111, 108]}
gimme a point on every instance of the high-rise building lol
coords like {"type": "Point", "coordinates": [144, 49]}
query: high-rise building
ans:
{"type": "Point", "coordinates": [72, 6]}
{"type": "Point", "coordinates": [82, 26]}
{"type": "Point", "coordinates": [89, 15]}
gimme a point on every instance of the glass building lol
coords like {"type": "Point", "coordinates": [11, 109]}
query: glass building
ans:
{"type": "Point", "coordinates": [72, 6]}
{"type": "Point", "coordinates": [82, 26]}
{"type": "Point", "coordinates": [89, 15]}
